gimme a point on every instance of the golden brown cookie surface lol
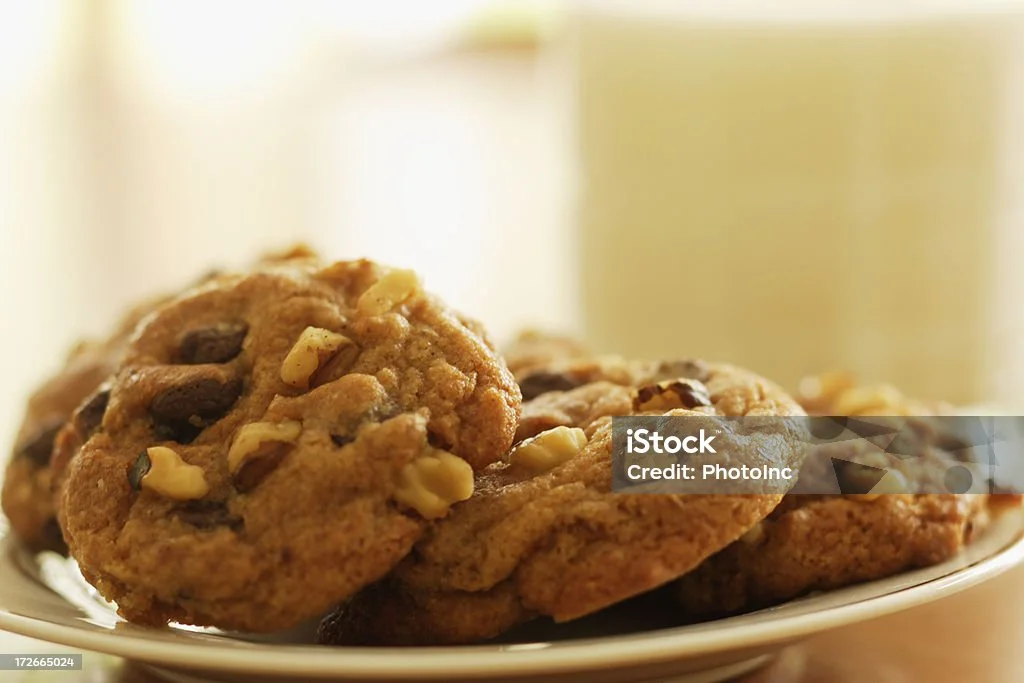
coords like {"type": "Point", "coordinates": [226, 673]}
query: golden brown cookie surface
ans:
{"type": "Point", "coordinates": [274, 441]}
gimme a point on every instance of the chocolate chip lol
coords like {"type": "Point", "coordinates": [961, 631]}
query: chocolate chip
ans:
{"type": "Point", "coordinates": [690, 393]}
{"type": "Point", "coordinates": [89, 416]}
{"type": "Point", "coordinates": [217, 344]}
{"type": "Point", "coordinates": [541, 382]}
{"type": "Point", "coordinates": [204, 397]}
{"type": "Point", "coordinates": [39, 445]}
{"type": "Point", "coordinates": [178, 431]}
{"type": "Point", "coordinates": [259, 464]}
{"type": "Point", "coordinates": [208, 514]}
{"type": "Point", "coordinates": [139, 469]}
{"type": "Point", "coordinates": [341, 440]}
{"type": "Point", "coordinates": [181, 412]}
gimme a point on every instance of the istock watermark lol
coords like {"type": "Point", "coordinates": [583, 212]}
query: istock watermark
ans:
{"type": "Point", "coordinates": [818, 455]}
{"type": "Point", "coordinates": [642, 441]}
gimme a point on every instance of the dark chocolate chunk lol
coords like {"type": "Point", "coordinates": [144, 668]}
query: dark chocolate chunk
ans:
{"type": "Point", "coordinates": [179, 431]}
{"type": "Point", "coordinates": [208, 514]}
{"type": "Point", "coordinates": [89, 416]}
{"type": "Point", "coordinates": [542, 382]}
{"type": "Point", "coordinates": [217, 344]}
{"type": "Point", "coordinates": [181, 412]}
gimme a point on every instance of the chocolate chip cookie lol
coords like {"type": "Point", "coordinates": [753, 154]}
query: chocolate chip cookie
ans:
{"type": "Point", "coordinates": [544, 534]}
{"type": "Point", "coordinates": [821, 542]}
{"type": "Point", "coordinates": [274, 441]}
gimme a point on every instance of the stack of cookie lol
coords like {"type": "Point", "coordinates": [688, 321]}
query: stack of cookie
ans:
{"type": "Point", "coordinates": [271, 445]}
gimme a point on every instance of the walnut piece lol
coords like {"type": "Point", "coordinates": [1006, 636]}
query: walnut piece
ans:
{"type": "Point", "coordinates": [315, 351]}
{"type": "Point", "coordinates": [257, 440]}
{"type": "Point", "coordinates": [170, 476]}
{"type": "Point", "coordinates": [389, 291]}
{"type": "Point", "coordinates": [549, 449]}
{"type": "Point", "coordinates": [433, 482]}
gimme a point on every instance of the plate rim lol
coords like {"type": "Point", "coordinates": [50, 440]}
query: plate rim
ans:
{"type": "Point", "coordinates": [421, 663]}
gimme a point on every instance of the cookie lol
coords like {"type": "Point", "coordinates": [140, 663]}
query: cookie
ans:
{"type": "Point", "coordinates": [544, 534]}
{"type": "Point", "coordinates": [822, 542]}
{"type": "Point", "coordinates": [532, 350]}
{"type": "Point", "coordinates": [274, 441]}
{"type": "Point", "coordinates": [27, 497]}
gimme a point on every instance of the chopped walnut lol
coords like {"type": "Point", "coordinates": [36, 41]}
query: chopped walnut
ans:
{"type": "Point", "coordinates": [391, 290]}
{"type": "Point", "coordinates": [161, 470]}
{"type": "Point", "coordinates": [549, 449]}
{"type": "Point", "coordinates": [433, 482]}
{"type": "Point", "coordinates": [314, 356]}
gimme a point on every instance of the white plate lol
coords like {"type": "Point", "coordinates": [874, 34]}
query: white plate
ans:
{"type": "Point", "coordinates": [44, 597]}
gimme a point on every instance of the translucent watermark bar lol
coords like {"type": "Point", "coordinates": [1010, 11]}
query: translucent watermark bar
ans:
{"type": "Point", "coordinates": [818, 455]}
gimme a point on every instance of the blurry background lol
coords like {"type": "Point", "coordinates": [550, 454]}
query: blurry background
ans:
{"type": "Point", "coordinates": [145, 142]}
{"type": "Point", "coordinates": [796, 186]}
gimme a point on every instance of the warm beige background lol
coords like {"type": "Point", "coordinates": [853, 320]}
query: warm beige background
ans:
{"type": "Point", "coordinates": [143, 143]}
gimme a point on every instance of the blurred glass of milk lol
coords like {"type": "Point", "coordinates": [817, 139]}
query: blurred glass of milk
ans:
{"type": "Point", "coordinates": [803, 186]}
